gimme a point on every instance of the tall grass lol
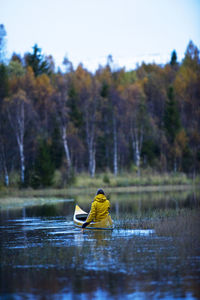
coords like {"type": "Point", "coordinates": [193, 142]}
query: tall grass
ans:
{"type": "Point", "coordinates": [184, 230]}
{"type": "Point", "coordinates": [107, 179]}
{"type": "Point", "coordinates": [131, 179]}
{"type": "Point", "coordinates": [166, 222]}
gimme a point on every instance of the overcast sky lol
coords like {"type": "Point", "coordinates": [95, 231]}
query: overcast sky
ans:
{"type": "Point", "coordinates": [88, 31]}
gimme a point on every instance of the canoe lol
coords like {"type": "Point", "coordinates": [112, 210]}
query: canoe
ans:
{"type": "Point", "coordinates": [80, 217]}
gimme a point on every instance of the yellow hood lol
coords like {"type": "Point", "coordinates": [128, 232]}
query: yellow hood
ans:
{"type": "Point", "coordinates": [100, 198]}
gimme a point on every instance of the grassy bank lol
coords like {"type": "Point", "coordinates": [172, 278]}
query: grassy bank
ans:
{"type": "Point", "coordinates": [84, 187]}
{"type": "Point", "coordinates": [15, 198]}
{"type": "Point", "coordinates": [109, 180]}
{"type": "Point", "coordinates": [74, 192]}
{"type": "Point", "coordinates": [132, 179]}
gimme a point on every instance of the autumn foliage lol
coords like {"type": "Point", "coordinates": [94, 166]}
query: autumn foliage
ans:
{"type": "Point", "coordinates": [110, 120]}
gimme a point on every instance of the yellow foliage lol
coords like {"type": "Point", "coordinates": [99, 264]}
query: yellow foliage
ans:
{"type": "Point", "coordinates": [104, 75]}
{"type": "Point", "coordinates": [182, 138]}
{"type": "Point", "coordinates": [30, 76]}
{"type": "Point", "coordinates": [180, 143]}
{"type": "Point", "coordinates": [19, 96]}
{"type": "Point", "coordinates": [183, 80]}
{"type": "Point", "coordinates": [43, 86]}
{"type": "Point", "coordinates": [83, 78]}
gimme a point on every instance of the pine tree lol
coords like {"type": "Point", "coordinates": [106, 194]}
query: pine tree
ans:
{"type": "Point", "coordinates": [173, 61]}
{"type": "Point", "coordinates": [4, 85]}
{"type": "Point", "coordinates": [75, 114]}
{"type": "Point", "coordinates": [172, 123]}
{"type": "Point", "coordinates": [44, 168]}
{"type": "Point", "coordinates": [37, 61]}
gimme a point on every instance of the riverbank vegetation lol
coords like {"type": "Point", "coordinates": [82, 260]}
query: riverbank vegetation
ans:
{"type": "Point", "coordinates": [16, 198]}
{"type": "Point", "coordinates": [56, 125]}
{"type": "Point", "coordinates": [125, 181]}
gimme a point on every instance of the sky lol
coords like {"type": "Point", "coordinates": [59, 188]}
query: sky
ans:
{"type": "Point", "coordinates": [87, 31]}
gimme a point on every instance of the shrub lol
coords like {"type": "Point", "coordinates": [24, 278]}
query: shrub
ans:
{"type": "Point", "coordinates": [106, 179]}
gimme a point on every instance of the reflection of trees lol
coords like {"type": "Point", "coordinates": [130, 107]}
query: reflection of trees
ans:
{"type": "Point", "coordinates": [146, 202]}
{"type": "Point", "coordinates": [51, 210]}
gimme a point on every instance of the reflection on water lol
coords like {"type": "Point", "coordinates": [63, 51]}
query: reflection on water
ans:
{"type": "Point", "coordinates": [43, 256]}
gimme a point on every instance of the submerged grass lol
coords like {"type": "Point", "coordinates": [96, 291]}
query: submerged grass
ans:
{"type": "Point", "coordinates": [184, 232]}
{"type": "Point", "coordinates": [168, 222]}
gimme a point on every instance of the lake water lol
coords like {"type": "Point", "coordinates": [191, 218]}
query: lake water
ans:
{"type": "Point", "coordinates": [43, 256]}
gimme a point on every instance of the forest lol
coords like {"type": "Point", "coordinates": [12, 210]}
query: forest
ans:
{"type": "Point", "coordinates": [113, 120]}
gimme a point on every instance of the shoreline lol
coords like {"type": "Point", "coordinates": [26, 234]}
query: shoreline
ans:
{"type": "Point", "coordinates": [15, 198]}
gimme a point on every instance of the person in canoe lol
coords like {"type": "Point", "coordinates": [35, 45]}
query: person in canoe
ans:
{"type": "Point", "coordinates": [99, 208]}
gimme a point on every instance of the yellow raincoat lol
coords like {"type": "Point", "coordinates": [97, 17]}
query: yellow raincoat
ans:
{"type": "Point", "coordinates": [99, 209]}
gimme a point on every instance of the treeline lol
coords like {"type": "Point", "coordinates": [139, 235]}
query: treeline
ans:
{"type": "Point", "coordinates": [74, 120]}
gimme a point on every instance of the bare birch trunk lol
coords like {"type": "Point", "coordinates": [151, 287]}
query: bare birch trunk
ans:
{"type": "Point", "coordinates": [20, 140]}
{"type": "Point", "coordinates": [137, 153]}
{"type": "Point", "coordinates": [90, 134]}
{"type": "Point", "coordinates": [7, 181]}
{"type": "Point", "coordinates": [115, 154]}
{"type": "Point", "coordinates": [92, 152]}
{"type": "Point", "coordinates": [175, 165]}
{"type": "Point", "coordinates": [22, 160]}
{"type": "Point", "coordinates": [65, 144]}
{"type": "Point", "coordinates": [137, 140]}
{"type": "Point", "coordinates": [92, 161]}
{"type": "Point", "coordinates": [6, 176]}
{"type": "Point", "coordinates": [18, 126]}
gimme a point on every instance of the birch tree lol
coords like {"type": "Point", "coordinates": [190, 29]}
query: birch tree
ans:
{"type": "Point", "coordinates": [7, 147]}
{"type": "Point", "coordinates": [61, 98]}
{"type": "Point", "coordinates": [88, 90]}
{"type": "Point", "coordinates": [3, 163]}
{"type": "Point", "coordinates": [114, 102]}
{"type": "Point", "coordinates": [18, 110]}
{"type": "Point", "coordinates": [90, 112]}
{"type": "Point", "coordinates": [115, 154]}
{"type": "Point", "coordinates": [137, 120]}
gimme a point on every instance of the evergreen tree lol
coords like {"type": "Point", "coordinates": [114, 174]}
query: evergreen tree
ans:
{"type": "Point", "coordinates": [44, 168]}
{"type": "Point", "coordinates": [173, 61]}
{"type": "Point", "coordinates": [104, 90]}
{"type": "Point", "coordinates": [37, 61]}
{"type": "Point", "coordinates": [172, 123]}
{"type": "Point", "coordinates": [75, 114]}
{"type": "Point", "coordinates": [4, 86]}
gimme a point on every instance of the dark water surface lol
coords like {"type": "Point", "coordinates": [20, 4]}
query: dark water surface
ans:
{"type": "Point", "coordinates": [43, 256]}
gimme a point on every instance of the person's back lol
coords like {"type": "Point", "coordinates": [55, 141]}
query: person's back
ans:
{"type": "Point", "coordinates": [99, 209]}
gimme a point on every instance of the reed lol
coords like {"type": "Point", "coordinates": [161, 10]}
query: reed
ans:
{"type": "Point", "coordinates": [168, 222]}
{"type": "Point", "coordinates": [184, 232]}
